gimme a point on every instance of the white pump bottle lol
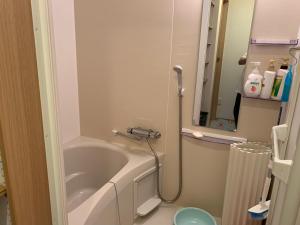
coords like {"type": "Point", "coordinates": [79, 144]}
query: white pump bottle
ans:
{"type": "Point", "coordinates": [253, 85]}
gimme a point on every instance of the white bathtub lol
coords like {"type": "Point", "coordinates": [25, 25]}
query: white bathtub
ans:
{"type": "Point", "coordinates": [100, 183]}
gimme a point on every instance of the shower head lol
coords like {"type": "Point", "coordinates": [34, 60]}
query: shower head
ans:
{"type": "Point", "coordinates": [178, 69]}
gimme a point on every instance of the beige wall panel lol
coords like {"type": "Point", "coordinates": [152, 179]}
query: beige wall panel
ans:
{"type": "Point", "coordinates": [123, 62]}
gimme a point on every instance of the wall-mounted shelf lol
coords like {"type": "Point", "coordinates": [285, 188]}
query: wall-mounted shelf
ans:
{"type": "Point", "coordinates": [212, 137]}
{"type": "Point", "coordinates": [263, 99]}
{"type": "Point", "coordinates": [260, 41]}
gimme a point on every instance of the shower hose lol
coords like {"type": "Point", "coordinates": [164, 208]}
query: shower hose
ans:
{"type": "Point", "coordinates": [180, 96]}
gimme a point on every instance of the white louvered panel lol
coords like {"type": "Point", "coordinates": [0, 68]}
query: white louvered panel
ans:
{"type": "Point", "coordinates": [245, 179]}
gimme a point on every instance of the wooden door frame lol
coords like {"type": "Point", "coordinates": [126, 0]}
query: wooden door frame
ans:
{"type": "Point", "coordinates": [43, 90]}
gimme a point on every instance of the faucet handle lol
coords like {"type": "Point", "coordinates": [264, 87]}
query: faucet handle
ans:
{"type": "Point", "coordinates": [155, 134]}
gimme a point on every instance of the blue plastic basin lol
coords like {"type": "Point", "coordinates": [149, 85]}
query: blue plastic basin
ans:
{"type": "Point", "coordinates": [193, 216]}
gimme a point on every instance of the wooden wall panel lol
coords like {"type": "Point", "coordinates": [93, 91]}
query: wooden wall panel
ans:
{"type": "Point", "coordinates": [22, 141]}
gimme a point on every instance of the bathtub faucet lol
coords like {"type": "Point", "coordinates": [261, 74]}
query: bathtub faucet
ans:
{"type": "Point", "coordinates": [144, 133]}
{"type": "Point", "coordinates": [138, 133]}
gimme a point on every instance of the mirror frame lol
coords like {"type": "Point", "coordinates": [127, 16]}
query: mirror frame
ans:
{"type": "Point", "coordinates": [201, 60]}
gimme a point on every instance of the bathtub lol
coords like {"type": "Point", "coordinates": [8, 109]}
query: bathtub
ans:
{"type": "Point", "coordinates": [100, 180]}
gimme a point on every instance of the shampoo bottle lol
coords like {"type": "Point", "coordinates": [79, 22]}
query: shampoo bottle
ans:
{"type": "Point", "coordinates": [253, 85]}
{"type": "Point", "coordinates": [268, 81]}
{"type": "Point", "coordinates": [287, 85]}
{"type": "Point", "coordinates": [279, 81]}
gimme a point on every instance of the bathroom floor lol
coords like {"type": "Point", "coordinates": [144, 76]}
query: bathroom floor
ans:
{"type": "Point", "coordinates": [162, 216]}
{"type": "Point", "coordinates": [223, 124]}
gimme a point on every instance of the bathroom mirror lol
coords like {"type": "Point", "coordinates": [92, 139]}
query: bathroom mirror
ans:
{"type": "Point", "coordinates": [224, 39]}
